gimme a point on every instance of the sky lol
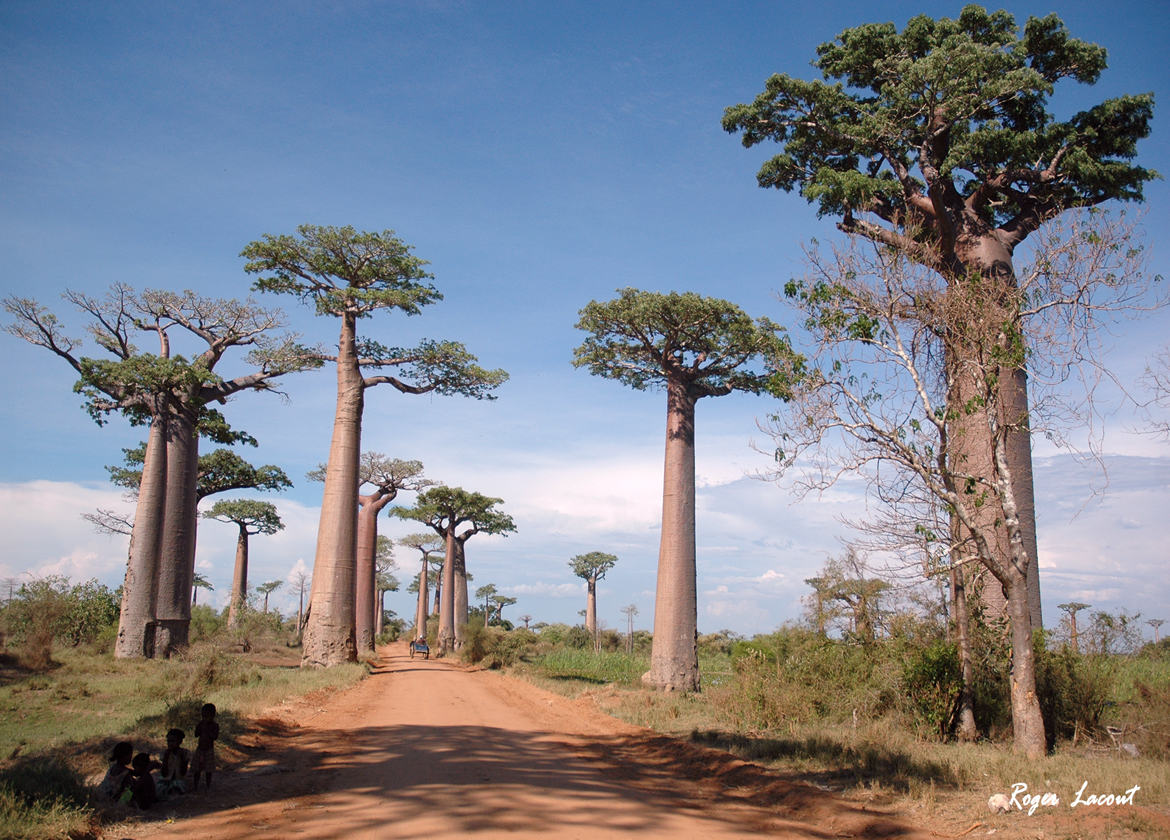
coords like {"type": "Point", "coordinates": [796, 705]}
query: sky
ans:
{"type": "Point", "coordinates": [539, 155]}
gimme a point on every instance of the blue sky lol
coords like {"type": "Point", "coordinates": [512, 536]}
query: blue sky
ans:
{"type": "Point", "coordinates": [539, 155]}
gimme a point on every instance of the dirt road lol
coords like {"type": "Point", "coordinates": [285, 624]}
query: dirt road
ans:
{"type": "Point", "coordinates": [425, 749]}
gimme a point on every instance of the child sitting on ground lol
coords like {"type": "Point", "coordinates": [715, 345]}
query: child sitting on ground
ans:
{"type": "Point", "coordinates": [116, 784]}
{"type": "Point", "coordinates": [172, 778]}
{"type": "Point", "coordinates": [142, 790]}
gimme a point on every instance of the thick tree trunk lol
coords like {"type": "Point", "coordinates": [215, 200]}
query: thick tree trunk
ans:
{"type": "Point", "coordinates": [239, 579]}
{"type": "Point", "coordinates": [447, 599]}
{"type": "Point", "coordinates": [1027, 719]}
{"type": "Point", "coordinates": [460, 594]}
{"type": "Point", "coordinates": [364, 575]}
{"type": "Point", "coordinates": [379, 611]}
{"type": "Point", "coordinates": [177, 567]}
{"type": "Point", "coordinates": [420, 612]}
{"type": "Point", "coordinates": [674, 660]}
{"type": "Point", "coordinates": [965, 728]}
{"type": "Point", "coordinates": [136, 619]}
{"type": "Point", "coordinates": [329, 630]}
{"type": "Point", "coordinates": [435, 610]}
{"type": "Point", "coordinates": [989, 256]}
{"type": "Point", "coordinates": [591, 606]}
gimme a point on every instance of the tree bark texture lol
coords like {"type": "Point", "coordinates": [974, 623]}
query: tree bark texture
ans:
{"type": "Point", "coordinates": [180, 516]}
{"type": "Point", "coordinates": [447, 597]}
{"type": "Point", "coordinates": [420, 612]}
{"type": "Point", "coordinates": [460, 594]}
{"type": "Point", "coordinates": [364, 574]}
{"type": "Point", "coordinates": [329, 630]}
{"type": "Point", "coordinates": [591, 606]}
{"type": "Point", "coordinates": [965, 725]}
{"type": "Point", "coordinates": [993, 259]}
{"type": "Point", "coordinates": [674, 660]}
{"type": "Point", "coordinates": [239, 592]}
{"type": "Point", "coordinates": [136, 618]}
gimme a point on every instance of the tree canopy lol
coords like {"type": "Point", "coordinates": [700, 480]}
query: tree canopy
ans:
{"type": "Point", "coordinates": [642, 339]}
{"type": "Point", "coordinates": [943, 130]}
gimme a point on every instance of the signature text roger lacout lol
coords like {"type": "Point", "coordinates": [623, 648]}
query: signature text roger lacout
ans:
{"type": "Point", "coordinates": [1031, 801]}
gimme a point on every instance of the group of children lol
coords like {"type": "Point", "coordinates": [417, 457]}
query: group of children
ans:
{"type": "Point", "coordinates": [131, 780]}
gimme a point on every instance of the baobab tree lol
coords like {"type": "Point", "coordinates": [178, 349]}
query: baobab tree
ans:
{"type": "Point", "coordinates": [630, 610]}
{"type": "Point", "coordinates": [591, 568]}
{"type": "Point", "coordinates": [694, 347]}
{"type": "Point", "coordinates": [299, 579]}
{"type": "Point", "coordinates": [426, 545]}
{"type": "Point", "coordinates": [267, 589]}
{"type": "Point", "coordinates": [349, 275]}
{"type": "Point", "coordinates": [173, 395]}
{"type": "Point", "coordinates": [526, 618]}
{"type": "Point", "coordinates": [445, 510]}
{"type": "Point", "coordinates": [385, 478]}
{"type": "Point", "coordinates": [1071, 609]}
{"type": "Point", "coordinates": [199, 581]}
{"type": "Point", "coordinates": [250, 517]}
{"type": "Point", "coordinates": [384, 580]}
{"type": "Point", "coordinates": [1156, 623]}
{"type": "Point", "coordinates": [499, 602]}
{"type": "Point", "coordinates": [485, 593]}
{"type": "Point", "coordinates": [936, 142]}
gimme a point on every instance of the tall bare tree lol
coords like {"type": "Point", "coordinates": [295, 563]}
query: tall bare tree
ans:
{"type": "Point", "coordinates": [349, 276]}
{"type": "Point", "coordinates": [694, 347]}
{"type": "Point", "coordinates": [937, 142]}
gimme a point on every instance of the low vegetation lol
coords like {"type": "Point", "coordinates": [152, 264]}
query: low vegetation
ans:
{"type": "Point", "coordinates": [65, 700]}
{"type": "Point", "coordinates": [878, 717]}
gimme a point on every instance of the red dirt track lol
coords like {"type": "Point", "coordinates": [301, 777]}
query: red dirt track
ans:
{"type": "Point", "coordinates": [426, 749]}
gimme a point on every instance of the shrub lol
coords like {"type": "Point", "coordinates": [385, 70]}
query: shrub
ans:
{"type": "Point", "coordinates": [1073, 689]}
{"type": "Point", "coordinates": [50, 609]}
{"type": "Point", "coordinates": [43, 797]}
{"type": "Point", "coordinates": [931, 680]}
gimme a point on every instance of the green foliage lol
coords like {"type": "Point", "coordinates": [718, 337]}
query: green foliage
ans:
{"type": "Point", "coordinates": [252, 516]}
{"type": "Point", "coordinates": [43, 797]}
{"type": "Point", "coordinates": [589, 667]}
{"type": "Point", "coordinates": [1075, 690]}
{"type": "Point", "coordinates": [446, 508]}
{"type": "Point", "coordinates": [932, 680]}
{"type": "Point", "coordinates": [962, 100]}
{"type": "Point", "coordinates": [644, 339]}
{"type": "Point", "coordinates": [592, 566]}
{"type": "Point", "coordinates": [206, 622]}
{"type": "Point", "coordinates": [351, 274]}
{"type": "Point", "coordinates": [51, 609]}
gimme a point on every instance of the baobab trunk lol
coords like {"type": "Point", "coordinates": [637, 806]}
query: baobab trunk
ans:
{"type": "Point", "coordinates": [447, 599]}
{"type": "Point", "coordinates": [992, 259]}
{"type": "Point", "coordinates": [364, 576]}
{"type": "Point", "coordinates": [136, 619]}
{"type": "Point", "coordinates": [460, 595]}
{"type": "Point", "coordinates": [239, 579]}
{"type": "Point", "coordinates": [591, 606]}
{"type": "Point", "coordinates": [420, 613]}
{"type": "Point", "coordinates": [1027, 719]}
{"type": "Point", "coordinates": [966, 728]}
{"type": "Point", "coordinates": [674, 659]}
{"type": "Point", "coordinates": [177, 560]}
{"type": "Point", "coordinates": [329, 629]}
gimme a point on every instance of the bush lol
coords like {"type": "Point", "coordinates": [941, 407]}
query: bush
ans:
{"type": "Point", "coordinates": [932, 681]}
{"type": "Point", "coordinates": [1073, 689]}
{"type": "Point", "coordinates": [49, 610]}
{"type": "Point", "coordinates": [43, 797]}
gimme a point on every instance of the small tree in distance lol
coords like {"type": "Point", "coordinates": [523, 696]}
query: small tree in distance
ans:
{"type": "Point", "coordinates": [694, 347]}
{"type": "Point", "coordinates": [591, 568]}
{"type": "Point", "coordinates": [250, 517]}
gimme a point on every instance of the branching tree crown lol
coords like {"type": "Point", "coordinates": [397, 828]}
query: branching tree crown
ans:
{"type": "Point", "coordinates": [941, 132]}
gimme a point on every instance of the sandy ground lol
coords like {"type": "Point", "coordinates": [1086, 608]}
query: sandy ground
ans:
{"type": "Point", "coordinates": [429, 749]}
